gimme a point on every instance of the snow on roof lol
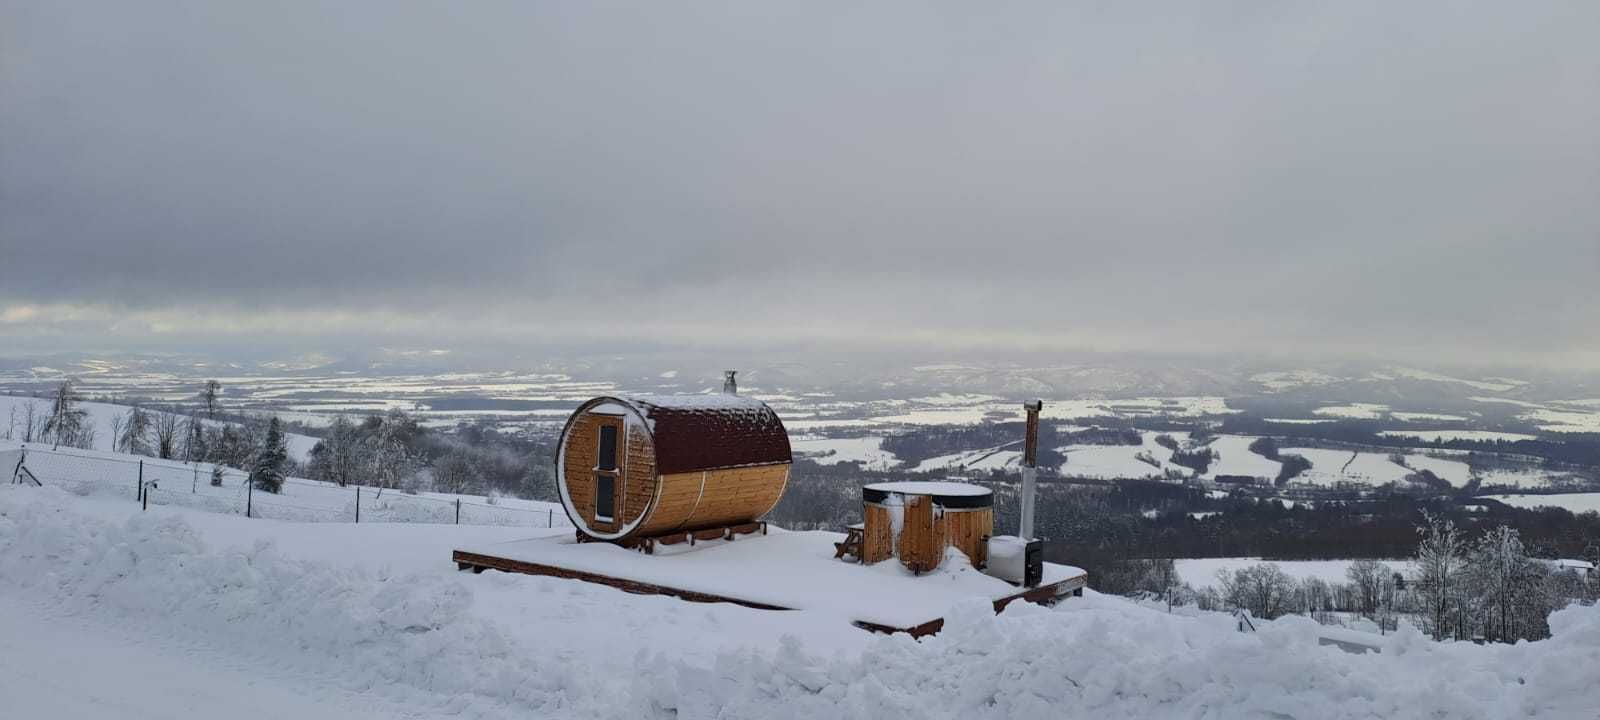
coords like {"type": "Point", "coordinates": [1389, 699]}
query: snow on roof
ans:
{"type": "Point", "coordinates": [707, 432]}
{"type": "Point", "coordinates": [1575, 564]}
{"type": "Point", "coordinates": [929, 487]}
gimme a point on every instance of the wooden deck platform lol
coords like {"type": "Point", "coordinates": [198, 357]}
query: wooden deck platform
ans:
{"type": "Point", "coordinates": [783, 571]}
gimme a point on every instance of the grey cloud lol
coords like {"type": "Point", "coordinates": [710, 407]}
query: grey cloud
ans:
{"type": "Point", "coordinates": [1237, 176]}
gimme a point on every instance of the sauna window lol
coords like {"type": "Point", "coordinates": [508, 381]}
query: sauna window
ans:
{"type": "Point", "coordinates": [606, 473]}
{"type": "Point", "coordinates": [605, 497]}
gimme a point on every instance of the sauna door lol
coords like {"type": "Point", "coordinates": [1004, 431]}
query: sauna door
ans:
{"type": "Point", "coordinates": [608, 470]}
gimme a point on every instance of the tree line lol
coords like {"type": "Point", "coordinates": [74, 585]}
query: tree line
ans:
{"type": "Point", "coordinates": [1486, 589]}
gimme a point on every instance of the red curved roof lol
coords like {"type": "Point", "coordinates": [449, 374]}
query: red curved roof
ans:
{"type": "Point", "coordinates": [709, 432]}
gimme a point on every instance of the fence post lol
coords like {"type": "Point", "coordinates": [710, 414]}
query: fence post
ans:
{"type": "Point", "coordinates": [145, 502]}
{"type": "Point", "coordinates": [139, 497]}
{"type": "Point", "coordinates": [458, 511]}
{"type": "Point", "coordinates": [550, 517]}
{"type": "Point", "coordinates": [249, 495]}
{"type": "Point", "coordinates": [358, 504]}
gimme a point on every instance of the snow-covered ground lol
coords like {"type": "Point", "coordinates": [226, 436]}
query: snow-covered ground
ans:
{"type": "Point", "coordinates": [1109, 462]}
{"type": "Point", "coordinates": [1235, 458]}
{"type": "Point", "coordinates": [173, 482]}
{"type": "Point", "coordinates": [1564, 421]}
{"type": "Point", "coordinates": [995, 458]}
{"type": "Point", "coordinates": [163, 614]}
{"type": "Point", "coordinates": [1455, 472]}
{"type": "Point", "coordinates": [831, 451]}
{"type": "Point", "coordinates": [1190, 406]}
{"type": "Point", "coordinates": [1422, 416]}
{"type": "Point", "coordinates": [1329, 467]}
{"type": "Point", "coordinates": [103, 416]}
{"type": "Point", "coordinates": [1448, 435]}
{"type": "Point", "coordinates": [1574, 502]}
{"type": "Point", "coordinates": [1357, 411]}
{"type": "Point", "coordinates": [1201, 572]}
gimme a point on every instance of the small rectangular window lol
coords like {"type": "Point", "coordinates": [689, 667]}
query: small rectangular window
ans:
{"type": "Point", "coordinates": [608, 448]}
{"type": "Point", "coordinates": [605, 497]}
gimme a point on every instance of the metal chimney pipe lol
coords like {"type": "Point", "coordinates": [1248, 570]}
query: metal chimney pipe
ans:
{"type": "Point", "coordinates": [729, 385]}
{"type": "Point", "coordinates": [1030, 471]}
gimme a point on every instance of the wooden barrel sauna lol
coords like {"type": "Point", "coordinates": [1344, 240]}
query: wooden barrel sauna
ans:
{"type": "Point", "coordinates": [916, 521]}
{"type": "Point", "coordinates": [630, 468]}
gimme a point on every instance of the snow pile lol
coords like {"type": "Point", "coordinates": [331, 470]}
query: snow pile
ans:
{"type": "Point", "coordinates": [1099, 657]}
{"type": "Point", "coordinates": [451, 644]}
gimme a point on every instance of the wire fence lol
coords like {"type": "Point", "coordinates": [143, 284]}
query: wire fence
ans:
{"type": "Point", "coordinates": [221, 489]}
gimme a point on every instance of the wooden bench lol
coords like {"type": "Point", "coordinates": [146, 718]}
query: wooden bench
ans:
{"type": "Point", "coordinates": [852, 542]}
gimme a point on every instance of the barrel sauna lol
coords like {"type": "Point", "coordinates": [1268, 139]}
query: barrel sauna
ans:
{"type": "Point", "coordinates": [916, 521]}
{"type": "Point", "coordinates": [630, 468]}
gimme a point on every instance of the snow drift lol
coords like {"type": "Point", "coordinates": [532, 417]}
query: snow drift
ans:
{"type": "Point", "coordinates": [427, 640]}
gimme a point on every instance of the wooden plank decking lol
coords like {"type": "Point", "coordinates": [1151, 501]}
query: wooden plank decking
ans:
{"type": "Point", "coordinates": [478, 562]}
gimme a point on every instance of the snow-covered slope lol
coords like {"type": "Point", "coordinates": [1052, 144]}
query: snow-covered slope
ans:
{"type": "Point", "coordinates": [511, 646]}
{"type": "Point", "coordinates": [176, 483]}
{"type": "Point", "coordinates": [397, 623]}
{"type": "Point", "coordinates": [103, 416]}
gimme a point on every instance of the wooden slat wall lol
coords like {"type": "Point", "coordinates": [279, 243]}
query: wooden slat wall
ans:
{"type": "Point", "coordinates": [679, 493]}
{"type": "Point", "coordinates": [638, 470]}
{"type": "Point", "coordinates": [924, 535]}
{"type": "Point", "coordinates": [877, 534]}
{"type": "Point", "coordinates": [640, 473]}
{"type": "Point", "coordinates": [966, 530]}
{"type": "Point", "coordinates": [922, 539]}
{"type": "Point", "coordinates": [729, 496]}
{"type": "Point", "coordinates": [737, 495]}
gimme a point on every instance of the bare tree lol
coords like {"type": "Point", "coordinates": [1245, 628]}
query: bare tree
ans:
{"type": "Point", "coordinates": [166, 430]}
{"type": "Point", "coordinates": [32, 423]}
{"type": "Point", "coordinates": [194, 440]}
{"type": "Point", "coordinates": [209, 395]}
{"type": "Point", "coordinates": [1512, 587]}
{"type": "Point", "coordinates": [1368, 577]}
{"type": "Point", "coordinates": [339, 457]}
{"type": "Point", "coordinates": [119, 424]}
{"type": "Point", "coordinates": [1264, 589]}
{"type": "Point", "coordinates": [457, 472]}
{"type": "Point", "coordinates": [1440, 561]}
{"type": "Point", "coordinates": [66, 423]}
{"type": "Point", "coordinates": [135, 437]}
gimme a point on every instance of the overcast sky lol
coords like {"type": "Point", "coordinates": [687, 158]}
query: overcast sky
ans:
{"type": "Point", "coordinates": [1378, 178]}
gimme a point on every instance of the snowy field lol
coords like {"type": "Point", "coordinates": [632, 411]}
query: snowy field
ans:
{"type": "Point", "coordinates": [1235, 458]}
{"type": "Point", "coordinates": [1355, 411]}
{"type": "Point", "coordinates": [1329, 467]}
{"type": "Point", "coordinates": [1107, 462]}
{"type": "Point", "coordinates": [102, 416]}
{"type": "Point", "coordinates": [831, 451]}
{"type": "Point", "coordinates": [106, 612]}
{"type": "Point", "coordinates": [1573, 502]}
{"type": "Point", "coordinates": [1455, 472]}
{"type": "Point", "coordinates": [995, 458]}
{"type": "Point", "coordinates": [1448, 435]}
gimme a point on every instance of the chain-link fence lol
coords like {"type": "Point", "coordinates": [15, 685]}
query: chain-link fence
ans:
{"type": "Point", "coordinates": [219, 489]}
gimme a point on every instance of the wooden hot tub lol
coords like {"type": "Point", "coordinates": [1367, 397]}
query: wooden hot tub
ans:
{"type": "Point", "coordinates": [916, 521]}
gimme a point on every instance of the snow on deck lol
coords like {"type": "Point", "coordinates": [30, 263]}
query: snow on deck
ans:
{"type": "Point", "coordinates": [794, 570]}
